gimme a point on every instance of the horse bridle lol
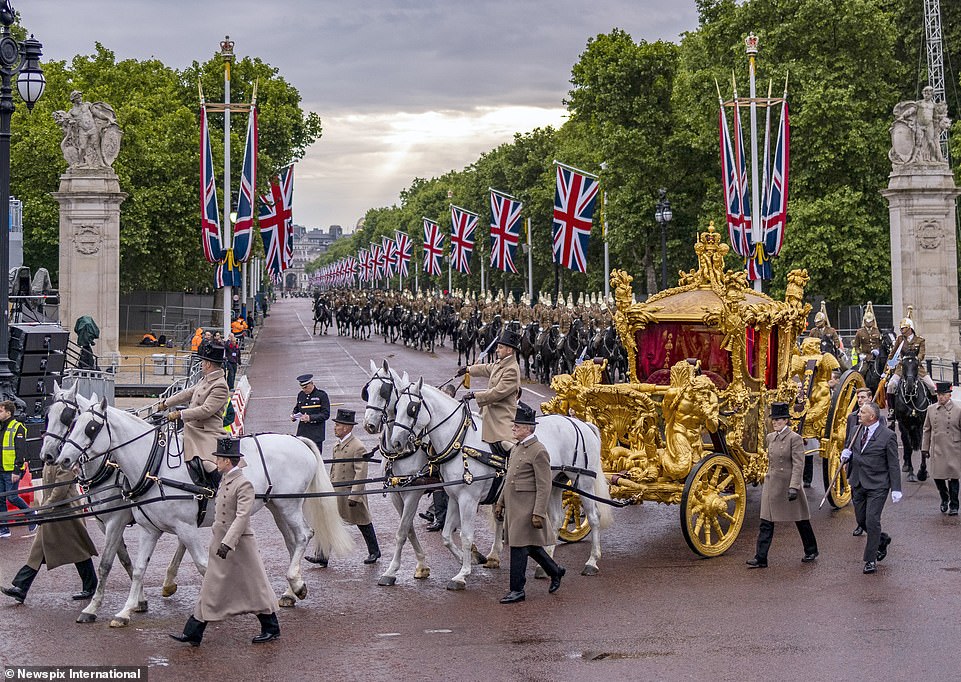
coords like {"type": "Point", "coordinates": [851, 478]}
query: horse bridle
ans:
{"type": "Point", "coordinates": [67, 418]}
{"type": "Point", "coordinates": [387, 389]}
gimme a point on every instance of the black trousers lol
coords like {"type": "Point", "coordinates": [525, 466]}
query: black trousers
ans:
{"type": "Point", "coordinates": [88, 576]}
{"type": "Point", "coordinates": [868, 505]}
{"type": "Point", "coordinates": [948, 490]}
{"type": "Point", "coordinates": [519, 564]}
{"type": "Point", "coordinates": [440, 506]}
{"type": "Point", "coordinates": [766, 534]}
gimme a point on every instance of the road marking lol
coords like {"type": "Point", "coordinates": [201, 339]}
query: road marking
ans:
{"type": "Point", "coordinates": [437, 632]}
{"type": "Point", "coordinates": [306, 331]}
{"type": "Point", "coordinates": [528, 390]}
{"type": "Point", "coordinates": [353, 359]}
{"type": "Point", "coordinates": [389, 634]}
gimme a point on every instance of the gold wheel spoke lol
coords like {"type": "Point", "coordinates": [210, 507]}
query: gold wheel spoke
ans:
{"type": "Point", "coordinates": [726, 482]}
{"type": "Point", "coordinates": [717, 528]}
{"type": "Point", "coordinates": [728, 517]}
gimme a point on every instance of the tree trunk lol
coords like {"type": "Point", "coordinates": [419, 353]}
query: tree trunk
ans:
{"type": "Point", "coordinates": [649, 271]}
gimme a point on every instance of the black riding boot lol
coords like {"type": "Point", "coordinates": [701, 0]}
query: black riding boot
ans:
{"type": "Point", "coordinates": [88, 577]}
{"type": "Point", "coordinates": [193, 632]}
{"type": "Point", "coordinates": [269, 628]}
{"type": "Point", "coordinates": [213, 478]}
{"type": "Point", "coordinates": [373, 549]}
{"type": "Point", "coordinates": [440, 511]}
{"type": "Point", "coordinates": [953, 496]}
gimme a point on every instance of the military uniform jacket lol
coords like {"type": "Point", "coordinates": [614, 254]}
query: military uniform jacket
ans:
{"type": "Point", "coordinates": [917, 345]}
{"type": "Point", "coordinates": [204, 418]}
{"type": "Point", "coordinates": [526, 492]}
{"type": "Point", "coordinates": [785, 453]}
{"type": "Point", "coordinates": [237, 584]}
{"type": "Point", "coordinates": [867, 339]}
{"type": "Point", "coordinates": [317, 407]}
{"type": "Point", "coordinates": [499, 402]}
{"type": "Point", "coordinates": [342, 472]}
{"type": "Point", "coordinates": [62, 542]}
{"type": "Point", "coordinates": [876, 467]}
{"type": "Point", "coordinates": [942, 439]}
{"type": "Point", "coordinates": [826, 332]}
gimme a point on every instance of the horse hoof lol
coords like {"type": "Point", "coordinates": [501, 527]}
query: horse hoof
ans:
{"type": "Point", "coordinates": [422, 573]}
{"type": "Point", "coordinates": [387, 580]}
{"type": "Point", "coordinates": [286, 602]}
{"type": "Point", "coordinates": [87, 618]}
{"type": "Point", "coordinates": [169, 590]}
{"type": "Point", "coordinates": [118, 622]}
{"type": "Point", "coordinates": [456, 586]}
{"type": "Point", "coordinates": [590, 570]}
{"type": "Point", "coordinates": [141, 607]}
{"type": "Point", "coordinates": [493, 563]}
{"type": "Point", "coordinates": [302, 592]}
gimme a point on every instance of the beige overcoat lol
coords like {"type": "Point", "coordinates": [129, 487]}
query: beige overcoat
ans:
{"type": "Point", "coordinates": [237, 584]}
{"type": "Point", "coordinates": [499, 402]}
{"type": "Point", "coordinates": [941, 438]}
{"type": "Point", "coordinates": [204, 416]}
{"type": "Point", "coordinates": [62, 542]}
{"type": "Point", "coordinates": [527, 490]}
{"type": "Point", "coordinates": [341, 472]}
{"type": "Point", "coordinates": [785, 468]}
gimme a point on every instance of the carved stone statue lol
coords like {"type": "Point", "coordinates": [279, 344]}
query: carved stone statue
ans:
{"type": "Point", "coordinates": [91, 136]}
{"type": "Point", "coordinates": [916, 131]}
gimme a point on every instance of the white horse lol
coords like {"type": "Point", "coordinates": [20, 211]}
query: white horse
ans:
{"type": "Point", "coordinates": [574, 448]}
{"type": "Point", "coordinates": [284, 464]}
{"type": "Point", "coordinates": [67, 405]}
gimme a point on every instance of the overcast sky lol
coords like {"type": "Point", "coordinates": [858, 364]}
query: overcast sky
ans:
{"type": "Point", "coordinates": [405, 88]}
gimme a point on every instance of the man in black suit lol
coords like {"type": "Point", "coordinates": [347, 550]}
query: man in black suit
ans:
{"type": "Point", "coordinates": [872, 472]}
{"type": "Point", "coordinates": [853, 424]}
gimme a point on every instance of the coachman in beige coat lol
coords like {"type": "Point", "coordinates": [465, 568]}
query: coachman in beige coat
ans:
{"type": "Point", "coordinates": [499, 402]}
{"type": "Point", "coordinates": [204, 417]}
{"type": "Point", "coordinates": [941, 440]}
{"type": "Point", "coordinates": [780, 499]}
{"type": "Point", "coordinates": [523, 504]}
{"type": "Point", "coordinates": [235, 582]}
{"type": "Point", "coordinates": [60, 542]}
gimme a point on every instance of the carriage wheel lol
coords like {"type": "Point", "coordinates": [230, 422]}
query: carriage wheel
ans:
{"type": "Point", "coordinates": [574, 526]}
{"type": "Point", "coordinates": [712, 505]}
{"type": "Point", "coordinates": [833, 440]}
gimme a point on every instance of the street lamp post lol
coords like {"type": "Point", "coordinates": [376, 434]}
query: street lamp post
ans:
{"type": "Point", "coordinates": [21, 60]}
{"type": "Point", "coordinates": [663, 216]}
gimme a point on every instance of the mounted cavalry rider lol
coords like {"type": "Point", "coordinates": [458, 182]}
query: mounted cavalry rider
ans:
{"type": "Point", "coordinates": [499, 402]}
{"type": "Point", "coordinates": [867, 341]}
{"type": "Point", "coordinates": [824, 330]}
{"type": "Point", "coordinates": [204, 417]}
{"type": "Point", "coordinates": [908, 341]}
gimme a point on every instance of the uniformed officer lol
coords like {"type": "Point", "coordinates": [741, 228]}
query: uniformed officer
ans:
{"type": "Point", "coordinates": [941, 440]}
{"type": "Point", "coordinates": [780, 499]}
{"type": "Point", "coordinates": [867, 340]}
{"type": "Point", "coordinates": [824, 330]}
{"type": "Point", "coordinates": [908, 340]}
{"type": "Point", "coordinates": [311, 411]}
{"type": "Point", "coordinates": [499, 402]}
{"type": "Point", "coordinates": [235, 582]}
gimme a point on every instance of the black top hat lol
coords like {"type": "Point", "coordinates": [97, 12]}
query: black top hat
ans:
{"type": "Point", "coordinates": [510, 338]}
{"type": "Point", "coordinates": [943, 386]}
{"type": "Point", "coordinates": [212, 352]}
{"type": "Point", "coordinates": [229, 448]}
{"type": "Point", "coordinates": [305, 379]}
{"type": "Point", "coordinates": [345, 417]}
{"type": "Point", "coordinates": [780, 411]}
{"type": "Point", "coordinates": [525, 415]}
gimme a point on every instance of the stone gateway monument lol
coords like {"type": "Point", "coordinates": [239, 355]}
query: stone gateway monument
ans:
{"type": "Point", "coordinates": [90, 199]}
{"type": "Point", "coordinates": [921, 193]}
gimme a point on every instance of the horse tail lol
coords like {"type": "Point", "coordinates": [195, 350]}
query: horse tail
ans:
{"type": "Point", "coordinates": [330, 534]}
{"type": "Point", "coordinates": [601, 487]}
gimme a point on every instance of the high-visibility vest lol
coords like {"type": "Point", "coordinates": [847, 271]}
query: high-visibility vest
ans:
{"type": "Point", "coordinates": [9, 451]}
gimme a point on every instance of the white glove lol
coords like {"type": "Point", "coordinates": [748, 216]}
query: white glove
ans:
{"type": "Point", "coordinates": [845, 454]}
{"type": "Point", "coordinates": [895, 496]}
{"type": "Point", "coordinates": [875, 352]}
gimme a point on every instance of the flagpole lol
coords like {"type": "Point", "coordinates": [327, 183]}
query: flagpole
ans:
{"type": "Point", "coordinates": [530, 263]}
{"type": "Point", "coordinates": [751, 43]}
{"type": "Point", "coordinates": [227, 52]}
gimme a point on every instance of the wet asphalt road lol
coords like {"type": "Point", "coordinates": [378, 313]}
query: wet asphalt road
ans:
{"type": "Point", "coordinates": [656, 611]}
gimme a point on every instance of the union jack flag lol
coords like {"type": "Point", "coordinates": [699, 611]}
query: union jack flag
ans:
{"type": "Point", "coordinates": [363, 258]}
{"type": "Point", "coordinates": [352, 268]}
{"type": "Point", "coordinates": [380, 260]}
{"type": "Point", "coordinates": [245, 200]}
{"type": "Point", "coordinates": [405, 249]}
{"type": "Point", "coordinates": [209, 213]}
{"type": "Point", "coordinates": [505, 230]}
{"type": "Point", "coordinates": [276, 223]}
{"type": "Point", "coordinates": [433, 247]}
{"type": "Point", "coordinates": [732, 190]}
{"type": "Point", "coordinates": [775, 205]}
{"type": "Point", "coordinates": [390, 257]}
{"type": "Point", "coordinates": [463, 224]}
{"type": "Point", "coordinates": [574, 200]}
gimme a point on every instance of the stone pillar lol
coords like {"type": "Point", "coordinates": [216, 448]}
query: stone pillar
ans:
{"type": "Point", "coordinates": [924, 262]}
{"type": "Point", "coordinates": [89, 280]}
